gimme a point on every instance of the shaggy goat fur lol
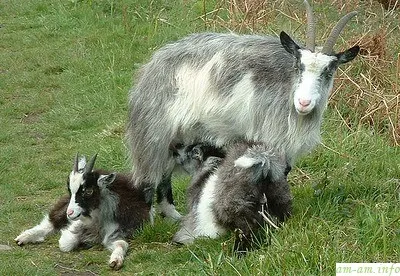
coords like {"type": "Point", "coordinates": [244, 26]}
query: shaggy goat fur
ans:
{"type": "Point", "coordinates": [222, 88]}
{"type": "Point", "coordinates": [227, 194]}
{"type": "Point", "coordinates": [105, 208]}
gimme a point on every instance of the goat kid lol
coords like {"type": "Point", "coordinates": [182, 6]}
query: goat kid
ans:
{"type": "Point", "coordinates": [101, 207]}
{"type": "Point", "coordinates": [221, 88]}
{"type": "Point", "coordinates": [232, 193]}
{"type": "Point", "coordinates": [191, 158]}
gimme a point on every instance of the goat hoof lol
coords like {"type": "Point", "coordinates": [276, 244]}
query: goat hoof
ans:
{"type": "Point", "coordinates": [115, 265]}
{"type": "Point", "coordinates": [28, 237]}
{"type": "Point", "coordinates": [19, 243]}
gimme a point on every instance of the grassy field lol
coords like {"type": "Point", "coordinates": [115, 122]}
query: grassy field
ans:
{"type": "Point", "coordinates": [65, 70]}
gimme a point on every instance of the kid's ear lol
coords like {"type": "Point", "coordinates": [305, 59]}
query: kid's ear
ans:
{"type": "Point", "coordinates": [290, 46]}
{"type": "Point", "coordinates": [348, 55]}
{"type": "Point", "coordinates": [245, 162]}
{"type": "Point", "coordinates": [105, 180]}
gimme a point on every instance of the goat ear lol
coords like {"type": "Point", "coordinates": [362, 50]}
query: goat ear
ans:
{"type": "Point", "coordinates": [245, 162]}
{"type": "Point", "coordinates": [290, 46]}
{"type": "Point", "coordinates": [260, 167]}
{"type": "Point", "coordinates": [106, 180]}
{"type": "Point", "coordinates": [348, 55]}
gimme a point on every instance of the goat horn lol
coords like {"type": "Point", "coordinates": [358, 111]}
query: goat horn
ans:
{"type": "Point", "coordinates": [310, 37]}
{"type": "Point", "coordinates": [90, 164]}
{"type": "Point", "coordinates": [76, 163]}
{"type": "Point", "coordinates": [328, 47]}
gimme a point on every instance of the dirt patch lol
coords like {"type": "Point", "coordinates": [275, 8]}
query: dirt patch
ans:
{"type": "Point", "coordinates": [31, 117]}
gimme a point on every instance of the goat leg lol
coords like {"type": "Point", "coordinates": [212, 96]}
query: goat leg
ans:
{"type": "Point", "coordinates": [119, 249]}
{"type": "Point", "coordinates": [54, 221]}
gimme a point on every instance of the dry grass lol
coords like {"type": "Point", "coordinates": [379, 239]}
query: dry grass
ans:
{"type": "Point", "coordinates": [390, 4]}
{"type": "Point", "coordinates": [374, 99]}
{"type": "Point", "coordinates": [375, 92]}
{"type": "Point", "coordinates": [240, 15]}
{"type": "Point", "coordinates": [366, 92]}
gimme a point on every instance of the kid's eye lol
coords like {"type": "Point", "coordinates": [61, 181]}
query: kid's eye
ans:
{"type": "Point", "coordinates": [88, 192]}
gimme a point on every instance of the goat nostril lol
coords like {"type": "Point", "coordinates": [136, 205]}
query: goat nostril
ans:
{"type": "Point", "coordinates": [70, 212]}
{"type": "Point", "coordinates": [304, 103]}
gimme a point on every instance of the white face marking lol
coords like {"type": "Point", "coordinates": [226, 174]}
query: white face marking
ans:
{"type": "Point", "coordinates": [75, 181]}
{"type": "Point", "coordinates": [307, 93]}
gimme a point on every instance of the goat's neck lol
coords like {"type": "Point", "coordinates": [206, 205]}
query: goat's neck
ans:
{"type": "Point", "coordinates": [304, 132]}
{"type": "Point", "coordinates": [293, 134]}
{"type": "Point", "coordinates": [108, 204]}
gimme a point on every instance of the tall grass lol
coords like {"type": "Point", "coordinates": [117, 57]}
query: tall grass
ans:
{"type": "Point", "coordinates": [65, 71]}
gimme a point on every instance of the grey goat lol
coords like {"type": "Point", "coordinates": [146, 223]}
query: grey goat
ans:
{"type": "Point", "coordinates": [230, 193]}
{"type": "Point", "coordinates": [221, 88]}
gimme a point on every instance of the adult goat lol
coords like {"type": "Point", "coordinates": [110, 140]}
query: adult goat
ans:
{"type": "Point", "coordinates": [220, 88]}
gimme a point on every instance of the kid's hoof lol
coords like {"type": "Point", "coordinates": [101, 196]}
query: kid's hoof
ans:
{"type": "Point", "coordinates": [116, 264]}
{"type": "Point", "coordinates": [28, 237]}
{"type": "Point", "coordinates": [18, 242]}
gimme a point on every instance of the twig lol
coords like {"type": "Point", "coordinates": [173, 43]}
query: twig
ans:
{"type": "Point", "coordinates": [87, 270]}
{"type": "Point", "coordinates": [341, 117]}
{"type": "Point", "coordinates": [265, 217]}
{"type": "Point", "coordinates": [67, 268]}
{"type": "Point", "coordinates": [33, 263]}
{"type": "Point", "coordinates": [303, 173]}
{"type": "Point", "coordinates": [73, 269]}
{"type": "Point", "coordinates": [338, 153]}
{"type": "Point", "coordinates": [268, 220]}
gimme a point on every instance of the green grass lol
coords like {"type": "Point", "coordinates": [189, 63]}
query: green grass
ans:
{"type": "Point", "coordinates": [65, 71]}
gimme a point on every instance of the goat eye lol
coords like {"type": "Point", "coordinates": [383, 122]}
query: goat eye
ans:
{"type": "Point", "coordinates": [88, 192]}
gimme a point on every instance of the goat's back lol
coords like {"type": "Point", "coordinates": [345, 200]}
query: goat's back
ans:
{"type": "Point", "coordinates": [209, 87]}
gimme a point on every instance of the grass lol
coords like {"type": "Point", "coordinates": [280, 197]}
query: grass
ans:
{"type": "Point", "coordinates": [65, 71]}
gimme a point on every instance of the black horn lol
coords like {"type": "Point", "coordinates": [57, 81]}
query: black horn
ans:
{"type": "Point", "coordinates": [76, 163]}
{"type": "Point", "coordinates": [90, 164]}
